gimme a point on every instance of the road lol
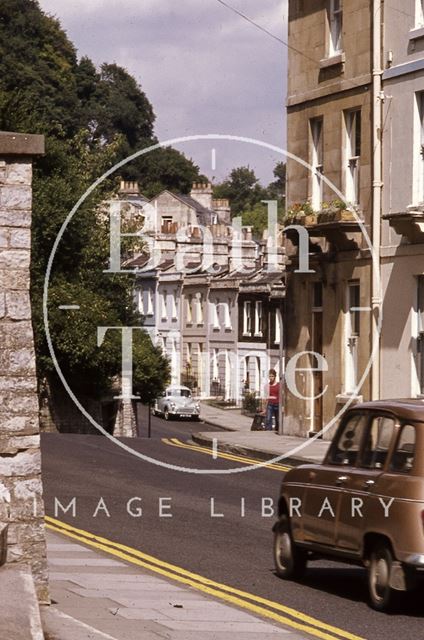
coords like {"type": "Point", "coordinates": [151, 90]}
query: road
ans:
{"type": "Point", "coordinates": [234, 548]}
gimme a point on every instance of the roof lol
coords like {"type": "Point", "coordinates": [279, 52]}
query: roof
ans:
{"type": "Point", "coordinates": [405, 408]}
{"type": "Point", "coordinates": [204, 215]}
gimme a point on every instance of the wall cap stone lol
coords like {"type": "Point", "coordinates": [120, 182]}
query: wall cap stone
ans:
{"type": "Point", "coordinates": [21, 144]}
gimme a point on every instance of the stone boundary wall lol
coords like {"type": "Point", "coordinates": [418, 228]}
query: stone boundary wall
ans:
{"type": "Point", "coordinates": [20, 457]}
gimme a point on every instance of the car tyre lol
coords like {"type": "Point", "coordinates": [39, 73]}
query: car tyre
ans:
{"type": "Point", "coordinates": [290, 561]}
{"type": "Point", "coordinates": [381, 593]}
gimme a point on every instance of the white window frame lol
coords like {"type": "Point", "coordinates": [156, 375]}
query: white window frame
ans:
{"type": "Point", "coordinates": [418, 195]}
{"type": "Point", "coordinates": [215, 367]}
{"type": "Point", "coordinates": [419, 14]}
{"type": "Point", "coordinates": [163, 306]}
{"type": "Point", "coordinates": [140, 301]}
{"type": "Point", "coordinates": [150, 308]}
{"type": "Point", "coordinates": [277, 335]}
{"type": "Point", "coordinates": [247, 318]}
{"type": "Point", "coordinates": [317, 161]}
{"type": "Point", "coordinates": [353, 120]}
{"type": "Point", "coordinates": [199, 309]}
{"type": "Point", "coordinates": [174, 306]}
{"type": "Point", "coordinates": [351, 335]}
{"type": "Point", "coordinates": [335, 27]}
{"type": "Point", "coordinates": [213, 306]}
{"type": "Point", "coordinates": [227, 315]}
{"type": "Point", "coordinates": [259, 318]}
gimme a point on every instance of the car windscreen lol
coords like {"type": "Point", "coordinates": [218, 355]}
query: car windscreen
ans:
{"type": "Point", "coordinates": [185, 393]}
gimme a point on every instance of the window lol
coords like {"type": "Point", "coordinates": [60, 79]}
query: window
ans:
{"type": "Point", "coordinates": [247, 318]}
{"type": "Point", "coordinates": [345, 448]}
{"type": "Point", "coordinates": [214, 314]}
{"type": "Point", "coordinates": [215, 372]}
{"type": "Point", "coordinates": [419, 349]}
{"type": "Point", "coordinates": [419, 13]}
{"type": "Point", "coordinates": [353, 155]}
{"type": "Point", "coordinates": [149, 302]}
{"type": "Point", "coordinates": [163, 299]}
{"type": "Point", "coordinates": [190, 309]}
{"type": "Point", "coordinates": [335, 19]}
{"type": "Point", "coordinates": [174, 307]}
{"type": "Point", "coordinates": [140, 301]}
{"type": "Point", "coordinates": [258, 318]}
{"type": "Point", "coordinates": [377, 443]}
{"type": "Point", "coordinates": [199, 306]}
{"type": "Point", "coordinates": [316, 162]}
{"type": "Point", "coordinates": [277, 335]}
{"type": "Point", "coordinates": [403, 456]}
{"type": "Point", "coordinates": [419, 153]}
{"type": "Point", "coordinates": [227, 314]}
{"type": "Point", "coordinates": [166, 224]}
{"type": "Point", "coordinates": [351, 335]}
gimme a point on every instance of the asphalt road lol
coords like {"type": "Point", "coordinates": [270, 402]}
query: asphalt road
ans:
{"type": "Point", "coordinates": [233, 549]}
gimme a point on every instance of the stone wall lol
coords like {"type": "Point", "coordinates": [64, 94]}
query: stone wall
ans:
{"type": "Point", "coordinates": [20, 457]}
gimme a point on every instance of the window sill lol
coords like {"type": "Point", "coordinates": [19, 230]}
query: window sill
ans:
{"type": "Point", "coordinates": [417, 33]}
{"type": "Point", "coordinates": [258, 335]}
{"type": "Point", "coordinates": [246, 335]}
{"type": "Point", "coordinates": [332, 61]}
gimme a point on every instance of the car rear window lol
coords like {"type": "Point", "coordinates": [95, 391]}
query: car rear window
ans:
{"type": "Point", "coordinates": [346, 446]}
{"type": "Point", "coordinates": [377, 442]}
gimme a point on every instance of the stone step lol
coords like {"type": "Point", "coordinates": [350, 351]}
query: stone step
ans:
{"type": "Point", "coordinates": [19, 609]}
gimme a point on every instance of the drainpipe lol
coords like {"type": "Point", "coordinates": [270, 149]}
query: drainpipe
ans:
{"type": "Point", "coordinates": [377, 99]}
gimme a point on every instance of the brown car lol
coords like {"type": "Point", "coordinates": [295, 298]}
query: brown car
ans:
{"type": "Point", "coordinates": [364, 504]}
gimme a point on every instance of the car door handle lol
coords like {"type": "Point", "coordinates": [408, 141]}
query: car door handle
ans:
{"type": "Point", "coordinates": [341, 480]}
{"type": "Point", "coordinates": [368, 484]}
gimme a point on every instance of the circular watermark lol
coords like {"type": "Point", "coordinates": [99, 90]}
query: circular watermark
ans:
{"type": "Point", "coordinates": [193, 138]}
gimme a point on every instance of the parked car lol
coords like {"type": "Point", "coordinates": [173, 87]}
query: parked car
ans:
{"type": "Point", "coordinates": [364, 504]}
{"type": "Point", "coordinates": [177, 402]}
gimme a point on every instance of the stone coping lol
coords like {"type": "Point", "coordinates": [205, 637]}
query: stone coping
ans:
{"type": "Point", "coordinates": [21, 144]}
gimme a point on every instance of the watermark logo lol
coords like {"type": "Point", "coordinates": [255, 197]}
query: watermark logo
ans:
{"type": "Point", "coordinates": [115, 267]}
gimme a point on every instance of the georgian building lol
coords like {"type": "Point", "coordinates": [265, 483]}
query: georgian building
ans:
{"type": "Point", "coordinates": [332, 112]}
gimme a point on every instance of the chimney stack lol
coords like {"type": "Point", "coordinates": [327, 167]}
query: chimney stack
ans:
{"type": "Point", "coordinates": [202, 193]}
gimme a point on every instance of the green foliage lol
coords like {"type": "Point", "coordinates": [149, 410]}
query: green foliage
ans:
{"type": "Point", "coordinates": [246, 195]}
{"type": "Point", "coordinates": [91, 120]}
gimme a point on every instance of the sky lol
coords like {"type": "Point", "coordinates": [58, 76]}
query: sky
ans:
{"type": "Point", "coordinates": [205, 69]}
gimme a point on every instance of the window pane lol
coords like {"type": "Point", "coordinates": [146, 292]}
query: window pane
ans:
{"type": "Point", "coordinates": [403, 457]}
{"type": "Point", "coordinates": [346, 448]}
{"type": "Point", "coordinates": [378, 441]}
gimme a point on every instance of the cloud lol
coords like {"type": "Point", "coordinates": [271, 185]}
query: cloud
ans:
{"type": "Point", "coordinates": [204, 68]}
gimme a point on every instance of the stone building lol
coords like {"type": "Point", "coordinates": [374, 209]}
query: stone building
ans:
{"type": "Point", "coordinates": [402, 258]}
{"type": "Point", "coordinates": [333, 112]}
{"type": "Point", "coordinates": [21, 493]}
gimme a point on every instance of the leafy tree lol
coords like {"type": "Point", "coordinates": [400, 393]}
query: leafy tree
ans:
{"type": "Point", "coordinates": [242, 189]}
{"type": "Point", "coordinates": [91, 119]}
{"type": "Point", "coordinates": [246, 195]}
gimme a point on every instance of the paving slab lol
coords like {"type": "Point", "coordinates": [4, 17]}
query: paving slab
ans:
{"type": "Point", "coordinates": [122, 602]}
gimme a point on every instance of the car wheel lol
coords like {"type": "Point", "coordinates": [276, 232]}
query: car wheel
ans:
{"type": "Point", "coordinates": [290, 561]}
{"type": "Point", "coordinates": [380, 592]}
{"type": "Point", "coordinates": [166, 414]}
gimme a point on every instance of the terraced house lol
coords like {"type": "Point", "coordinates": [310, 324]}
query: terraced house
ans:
{"type": "Point", "coordinates": [356, 115]}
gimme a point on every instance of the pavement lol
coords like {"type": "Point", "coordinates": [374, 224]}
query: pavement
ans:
{"type": "Point", "coordinates": [234, 436]}
{"type": "Point", "coordinates": [97, 597]}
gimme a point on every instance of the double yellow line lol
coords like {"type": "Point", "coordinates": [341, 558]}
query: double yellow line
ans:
{"type": "Point", "coordinates": [260, 606]}
{"type": "Point", "coordinates": [174, 442]}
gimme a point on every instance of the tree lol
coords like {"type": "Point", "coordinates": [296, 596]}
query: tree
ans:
{"type": "Point", "coordinates": [278, 187]}
{"type": "Point", "coordinates": [91, 119]}
{"type": "Point", "coordinates": [242, 189]}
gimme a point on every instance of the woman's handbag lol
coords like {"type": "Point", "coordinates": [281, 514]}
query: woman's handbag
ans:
{"type": "Point", "coordinates": [258, 423]}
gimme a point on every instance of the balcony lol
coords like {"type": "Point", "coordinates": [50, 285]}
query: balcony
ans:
{"type": "Point", "coordinates": [338, 226]}
{"type": "Point", "coordinates": [408, 224]}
